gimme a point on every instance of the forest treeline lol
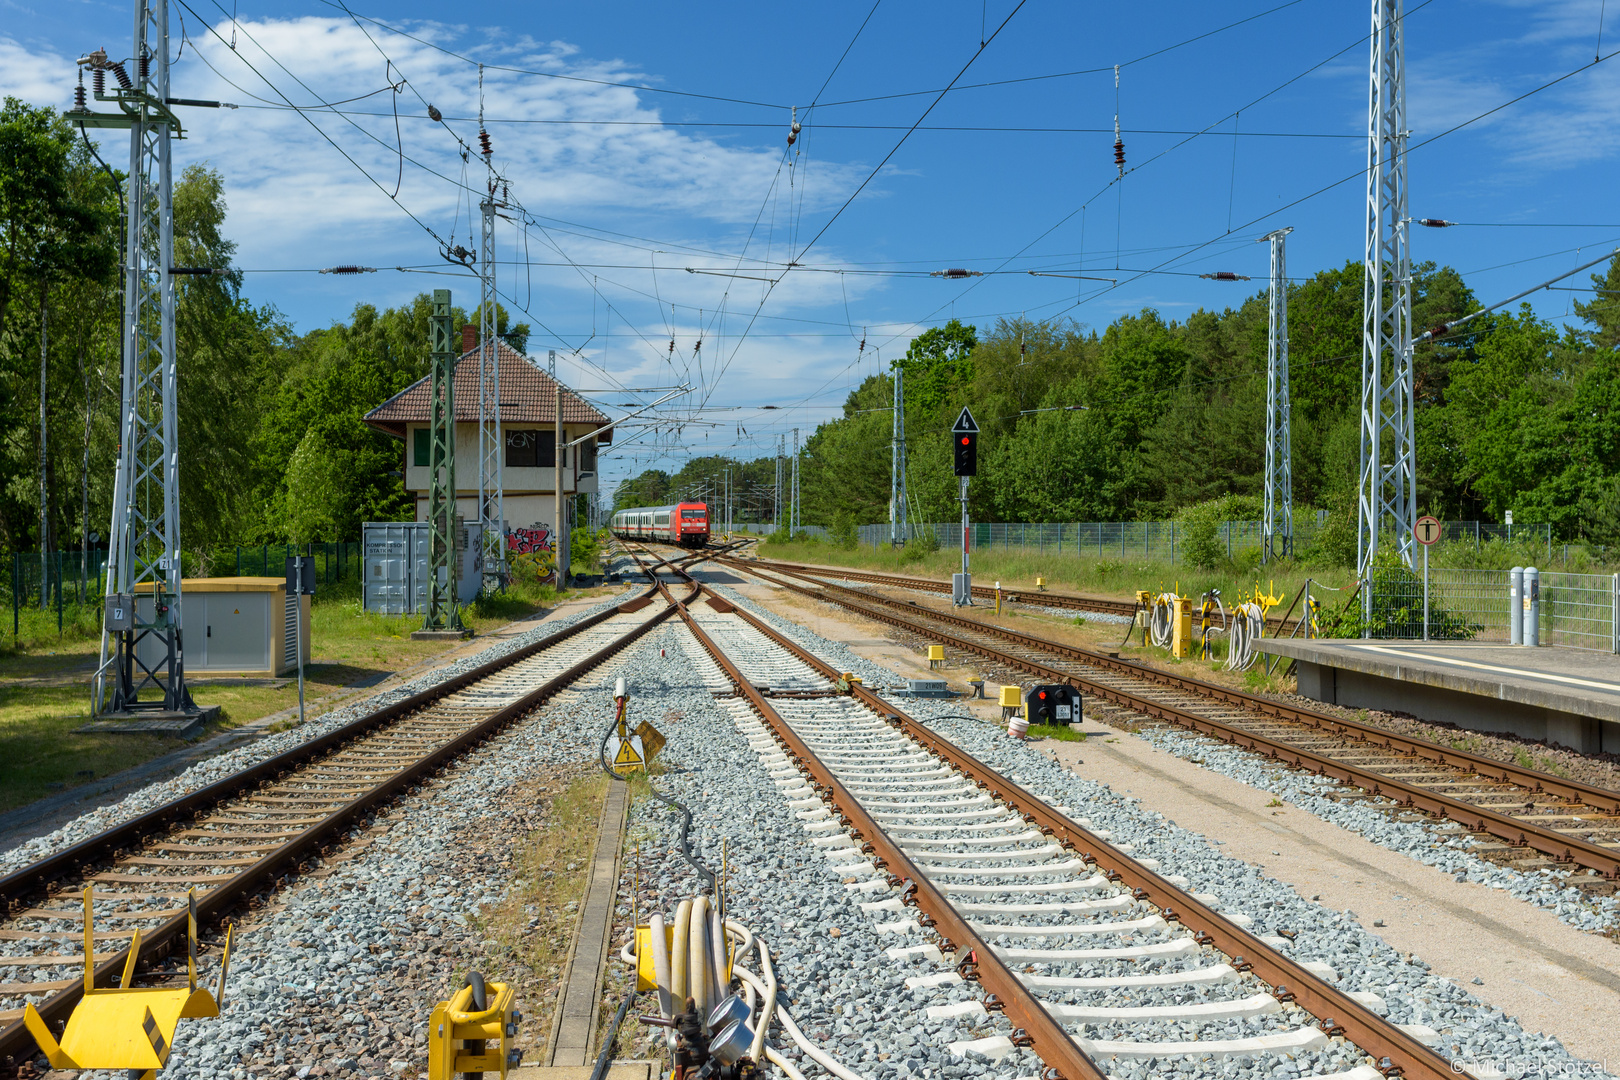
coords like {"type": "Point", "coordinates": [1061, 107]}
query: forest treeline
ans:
{"type": "Point", "coordinates": [1150, 416]}
{"type": "Point", "coordinates": [272, 447]}
{"type": "Point", "coordinates": [1135, 421]}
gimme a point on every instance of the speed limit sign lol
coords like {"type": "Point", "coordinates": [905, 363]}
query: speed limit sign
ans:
{"type": "Point", "coordinates": [1426, 530]}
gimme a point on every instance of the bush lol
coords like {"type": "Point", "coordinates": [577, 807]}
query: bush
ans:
{"type": "Point", "coordinates": [845, 534]}
{"type": "Point", "coordinates": [1201, 543]}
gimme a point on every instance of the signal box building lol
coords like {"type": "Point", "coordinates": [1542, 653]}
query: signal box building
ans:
{"type": "Point", "coordinates": [528, 428]}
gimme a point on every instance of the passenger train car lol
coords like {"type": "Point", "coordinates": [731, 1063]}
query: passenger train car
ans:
{"type": "Point", "coordinates": [686, 524]}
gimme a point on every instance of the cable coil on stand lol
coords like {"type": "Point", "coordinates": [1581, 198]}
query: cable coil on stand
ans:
{"type": "Point", "coordinates": [1248, 627]}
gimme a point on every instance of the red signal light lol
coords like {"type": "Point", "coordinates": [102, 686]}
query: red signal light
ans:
{"type": "Point", "coordinates": [964, 440]}
{"type": "Point", "coordinates": [1043, 695]}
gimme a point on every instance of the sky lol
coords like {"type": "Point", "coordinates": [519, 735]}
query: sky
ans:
{"type": "Point", "coordinates": [651, 195]}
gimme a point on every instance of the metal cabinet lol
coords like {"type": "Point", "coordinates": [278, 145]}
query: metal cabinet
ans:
{"type": "Point", "coordinates": [396, 566]}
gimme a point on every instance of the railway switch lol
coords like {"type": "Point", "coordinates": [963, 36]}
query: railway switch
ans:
{"type": "Point", "coordinates": [128, 1027]}
{"type": "Point", "coordinates": [1012, 701]}
{"type": "Point", "coordinates": [473, 1031]}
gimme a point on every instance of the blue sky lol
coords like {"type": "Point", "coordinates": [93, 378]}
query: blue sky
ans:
{"type": "Point", "coordinates": [625, 191]}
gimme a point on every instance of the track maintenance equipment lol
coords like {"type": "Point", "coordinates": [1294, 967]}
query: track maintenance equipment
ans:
{"type": "Point", "coordinates": [461, 1029]}
{"type": "Point", "coordinates": [1171, 624]}
{"type": "Point", "coordinates": [127, 1027]}
{"type": "Point", "coordinates": [1209, 604]}
{"type": "Point", "coordinates": [630, 750]}
{"type": "Point", "coordinates": [1249, 627]}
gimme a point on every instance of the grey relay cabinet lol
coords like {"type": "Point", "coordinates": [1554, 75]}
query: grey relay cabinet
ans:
{"type": "Point", "coordinates": [396, 566]}
{"type": "Point", "coordinates": [235, 626]}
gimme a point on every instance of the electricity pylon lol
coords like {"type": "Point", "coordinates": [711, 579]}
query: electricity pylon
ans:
{"type": "Point", "coordinates": [444, 605]}
{"type": "Point", "coordinates": [1387, 493]}
{"type": "Point", "coordinates": [897, 464]}
{"type": "Point", "coordinates": [491, 492]}
{"type": "Point", "coordinates": [1278, 541]}
{"type": "Point", "coordinates": [142, 646]}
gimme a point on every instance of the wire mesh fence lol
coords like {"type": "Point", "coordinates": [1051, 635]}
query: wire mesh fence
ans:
{"type": "Point", "coordinates": [1164, 541]}
{"type": "Point", "coordinates": [1577, 610]}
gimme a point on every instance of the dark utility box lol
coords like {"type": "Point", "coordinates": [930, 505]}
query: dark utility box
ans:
{"type": "Point", "coordinates": [1053, 704]}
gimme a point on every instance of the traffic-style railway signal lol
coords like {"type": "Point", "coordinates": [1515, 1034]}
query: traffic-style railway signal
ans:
{"type": "Point", "coordinates": [965, 439]}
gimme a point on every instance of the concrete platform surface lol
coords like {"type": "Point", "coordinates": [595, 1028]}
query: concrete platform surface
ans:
{"type": "Point", "coordinates": [1570, 696]}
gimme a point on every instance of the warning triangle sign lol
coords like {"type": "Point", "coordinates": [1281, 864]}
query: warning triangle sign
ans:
{"type": "Point", "coordinates": [965, 422]}
{"type": "Point", "coordinates": [628, 756]}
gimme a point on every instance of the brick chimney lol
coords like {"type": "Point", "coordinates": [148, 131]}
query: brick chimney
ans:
{"type": "Point", "coordinates": [469, 337]}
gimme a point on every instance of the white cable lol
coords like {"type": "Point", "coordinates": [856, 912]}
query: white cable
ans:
{"type": "Point", "coordinates": [818, 1055]}
{"type": "Point", "coordinates": [1161, 618]}
{"type": "Point", "coordinates": [1248, 627]}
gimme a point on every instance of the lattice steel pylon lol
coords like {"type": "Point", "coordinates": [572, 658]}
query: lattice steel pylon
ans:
{"type": "Point", "coordinates": [491, 491]}
{"type": "Point", "coordinates": [444, 605]}
{"type": "Point", "coordinates": [793, 515]}
{"type": "Point", "coordinates": [1387, 492]}
{"type": "Point", "coordinates": [897, 464]}
{"type": "Point", "coordinates": [143, 558]}
{"type": "Point", "coordinates": [1278, 524]}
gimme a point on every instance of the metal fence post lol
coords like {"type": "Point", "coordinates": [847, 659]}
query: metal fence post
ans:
{"type": "Point", "coordinates": [1516, 606]}
{"type": "Point", "coordinates": [1614, 613]}
{"type": "Point", "coordinates": [16, 589]}
{"type": "Point", "coordinates": [58, 594]}
{"type": "Point", "coordinates": [1532, 609]}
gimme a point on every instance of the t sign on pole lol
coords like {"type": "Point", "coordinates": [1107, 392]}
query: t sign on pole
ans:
{"type": "Point", "coordinates": [1426, 531]}
{"type": "Point", "coordinates": [965, 454]}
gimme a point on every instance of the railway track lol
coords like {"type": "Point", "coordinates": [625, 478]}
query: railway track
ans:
{"type": "Point", "coordinates": [1066, 601]}
{"type": "Point", "coordinates": [1021, 896]}
{"type": "Point", "coordinates": [257, 828]}
{"type": "Point", "coordinates": [1563, 821]}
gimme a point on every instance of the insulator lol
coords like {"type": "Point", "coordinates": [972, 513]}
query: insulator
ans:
{"type": "Point", "coordinates": [956, 272]}
{"type": "Point", "coordinates": [146, 67]}
{"type": "Point", "coordinates": [434, 114]}
{"type": "Point", "coordinates": [80, 102]}
{"type": "Point", "coordinates": [1435, 223]}
{"type": "Point", "coordinates": [121, 75]}
{"type": "Point", "coordinates": [483, 142]}
{"type": "Point", "coordinates": [98, 78]}
{"type": "Point", "coordinates": [1119, 153]}
{"type": "Point", "coordinates": [1225, 275]}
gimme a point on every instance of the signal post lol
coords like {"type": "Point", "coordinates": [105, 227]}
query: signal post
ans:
{"type": "Point", "coordinates": [965, 454]}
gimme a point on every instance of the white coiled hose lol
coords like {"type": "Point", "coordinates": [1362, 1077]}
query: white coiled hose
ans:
{"type": "Point", "coordinates": [691, 963]}
{"type": "Point", "coordinates": [1161, 619]}
{"type": "Point", "coordinates": [1248, 627]}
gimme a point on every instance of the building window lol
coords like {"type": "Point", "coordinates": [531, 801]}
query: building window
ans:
{"type": "Point", "coordinates": [587, 455]}
{"type": "Point", "coordinates": [420, 443]}
{"type": "Point", "coordinates": [528, 448]}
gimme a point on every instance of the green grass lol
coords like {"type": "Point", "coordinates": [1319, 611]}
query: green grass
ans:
{"type": "Point", "coordinates": [1060, 732]}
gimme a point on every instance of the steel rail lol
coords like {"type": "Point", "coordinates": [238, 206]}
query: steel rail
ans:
{"type": "Point", "coordinates": [1044, 1033]}
{"type": "Point", "coordinates": [1336, 1012]}
{"type": "Point", "coordinates": [1519, 833]}
{"type": "Point", "coordinates": [15, 1040]}
{"type": "Point", "coordinates": [1072, 601]}
{"type": "Point", "coordinates": [1597, 798]}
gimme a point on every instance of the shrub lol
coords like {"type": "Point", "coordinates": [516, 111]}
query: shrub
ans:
{"type": "Point", "coordinates": [1201, 543]}
{"type": "Point", "coordinates": [845, 534]}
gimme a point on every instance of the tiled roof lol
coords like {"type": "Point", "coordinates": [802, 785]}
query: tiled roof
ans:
{"type": "Point", "coordinates": [527, 396]}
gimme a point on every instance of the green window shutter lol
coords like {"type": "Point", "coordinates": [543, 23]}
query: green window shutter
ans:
{"type": "Point", "coordinates": [419, 447]}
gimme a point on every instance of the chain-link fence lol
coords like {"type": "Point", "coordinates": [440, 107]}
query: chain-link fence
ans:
{"type": "Point", "coordinates": [1163, 541]}
{"type": "Point", "coordinates": [1577, 610]}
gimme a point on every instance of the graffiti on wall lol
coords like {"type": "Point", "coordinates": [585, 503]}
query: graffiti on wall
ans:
{"type": "Point", "coordinates": [532, 554]}
{"type": "Point", "coordinates": [528, 541]}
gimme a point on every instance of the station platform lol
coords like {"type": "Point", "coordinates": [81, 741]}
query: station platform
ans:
{"type": "Point", "coordinates": [1566, 696]}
